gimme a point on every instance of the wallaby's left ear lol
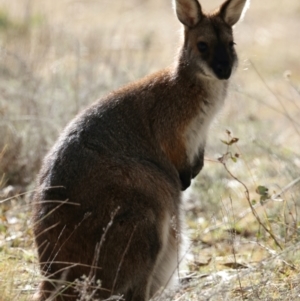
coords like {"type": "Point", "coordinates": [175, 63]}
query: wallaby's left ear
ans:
{"type": "Point", "coordinates": [188, 12]}
{"type": "Point", "coordinates": [232, 10]}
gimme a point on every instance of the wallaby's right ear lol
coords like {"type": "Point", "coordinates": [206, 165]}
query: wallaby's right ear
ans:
{"type": "Point", "coordinates": [188, 12]}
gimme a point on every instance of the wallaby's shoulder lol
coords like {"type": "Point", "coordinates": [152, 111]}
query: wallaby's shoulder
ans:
{"type": "Point", "coordinates": [160, 101]}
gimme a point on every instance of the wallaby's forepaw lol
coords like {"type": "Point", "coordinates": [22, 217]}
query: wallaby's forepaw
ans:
{"type": "Point", "coordinates": [185, 179]}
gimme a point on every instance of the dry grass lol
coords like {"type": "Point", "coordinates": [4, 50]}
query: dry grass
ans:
{"type": "Point", "coordinates": [57, 57]}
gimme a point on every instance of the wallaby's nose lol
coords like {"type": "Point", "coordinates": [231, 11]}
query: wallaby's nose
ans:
{"type": "Point", "coordinates": [222, 70]}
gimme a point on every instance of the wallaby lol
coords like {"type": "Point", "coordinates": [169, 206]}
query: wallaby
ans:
{"type": "Point", "coordinates": [109, 192]}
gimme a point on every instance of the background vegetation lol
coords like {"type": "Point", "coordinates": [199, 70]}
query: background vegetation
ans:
{"type": "Point", "coordinates": [242, 213]}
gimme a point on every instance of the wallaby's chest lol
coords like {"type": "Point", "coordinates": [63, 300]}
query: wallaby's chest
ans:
{"type": "Point", "coordinates": [196, 131]}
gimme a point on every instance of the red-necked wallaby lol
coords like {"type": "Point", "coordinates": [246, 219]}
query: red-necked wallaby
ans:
{"type": "Point", "coordinates": [108, 199]}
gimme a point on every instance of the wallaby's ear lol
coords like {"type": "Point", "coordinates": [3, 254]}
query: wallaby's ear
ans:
{"type": "Point", "coordinates": [232, 10]}
{"type": "Point", "coordinates": [188, 12]}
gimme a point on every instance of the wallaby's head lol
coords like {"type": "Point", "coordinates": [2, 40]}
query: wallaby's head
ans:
{"type": "Point", "coordinates": [208, 40]}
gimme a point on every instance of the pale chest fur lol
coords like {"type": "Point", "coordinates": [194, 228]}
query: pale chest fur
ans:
{"type": "Point", "coordinates": [196, 132]}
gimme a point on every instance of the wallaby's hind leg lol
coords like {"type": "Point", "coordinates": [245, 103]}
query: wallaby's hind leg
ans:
{"type": "Point", "coordinates": [127, 257]}
{"type": "Point", "coordinates": [134, 262]}
{"type": "Point", "coordinates": [134, 244]}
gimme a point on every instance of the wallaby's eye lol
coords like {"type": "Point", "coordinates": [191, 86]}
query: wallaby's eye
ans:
{"type": "Point", "coordinates": [202, 47]}
{"type": "Point", "coordinates": [231, 44]}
